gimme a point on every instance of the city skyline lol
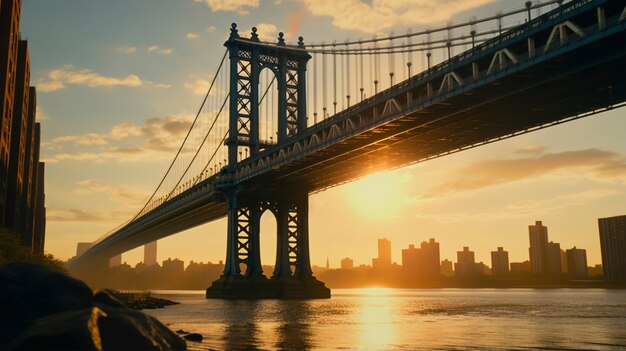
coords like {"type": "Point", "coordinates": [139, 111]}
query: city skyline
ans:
{"type": "Point", "coordinates": [385, 254]}
{"type": "Point", "coordinates": [114, 97]}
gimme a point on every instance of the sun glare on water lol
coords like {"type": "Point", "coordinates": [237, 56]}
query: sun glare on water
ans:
{"type": "Point", "coordinates": [377, 196]}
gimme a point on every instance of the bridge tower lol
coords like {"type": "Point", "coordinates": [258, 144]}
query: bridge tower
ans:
{"type": "Point", "coordinates": [292, 276]}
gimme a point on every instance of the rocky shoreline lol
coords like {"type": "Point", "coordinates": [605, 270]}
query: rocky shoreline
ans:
{"type": "Point", "coordinates": [46, 310]}
{"type": "Point", "coordinates": [140, 301]}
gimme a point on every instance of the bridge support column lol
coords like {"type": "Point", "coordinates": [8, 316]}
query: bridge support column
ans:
{"type": "Point", "coordinates": [282, 267]}
{"type": "Point", "coordinates": [243, 244]}
{"type": "Point", "coordinates": [232, 266]}
{"type": "Point", "coordinates": [292, 254]}
{"type": "Point", "coordinates": [292, 277]}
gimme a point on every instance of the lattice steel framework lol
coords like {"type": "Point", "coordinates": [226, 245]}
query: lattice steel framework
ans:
{"type": "Point", "coordinates": [247, 58]}
{"type": "Point", "coordinates": [292, 251]}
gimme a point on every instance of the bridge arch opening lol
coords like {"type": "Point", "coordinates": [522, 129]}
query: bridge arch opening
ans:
{"type": "Point", "coordinates": [268, 238]}
{"type": "Point", "coordinates": [268, 108]}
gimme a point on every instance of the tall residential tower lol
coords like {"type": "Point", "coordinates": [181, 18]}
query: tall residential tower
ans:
{"type": "Point", "coordinates": [613, 246]}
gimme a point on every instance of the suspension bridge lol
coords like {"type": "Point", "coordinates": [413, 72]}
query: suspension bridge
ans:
{"type": "Point", "coordinates": [284, 120]}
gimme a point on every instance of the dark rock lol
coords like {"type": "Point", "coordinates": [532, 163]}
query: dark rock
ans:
{"type": "Point", "coordinates": [71, 330]}
{"type": "Point", "coordinates": [29, 292]}
{"type": "Point", "coordinates": [127, 329]}
{"type": "Point", "coordinates": [107, 297]}
{"type": "Point", "coordinates": [98, 328]}
{"type": "Point", "coordinates": [180, 331]}
{"type": "Point", "coordinates": [193, 337]}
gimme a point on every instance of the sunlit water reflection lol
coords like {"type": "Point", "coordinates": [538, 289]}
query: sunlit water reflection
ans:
{"type": "Point", "coordinates": [395, 319]}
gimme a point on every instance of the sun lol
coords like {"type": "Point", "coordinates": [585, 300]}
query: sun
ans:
{"type": "Point", "coordinates": [377, 196]}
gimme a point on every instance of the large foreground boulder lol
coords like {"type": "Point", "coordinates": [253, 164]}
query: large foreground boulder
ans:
{"type": "Point", "coordinates": [28, 292]}
{"type": "Point", "coordinates": [98, 328]}
{"type": "Point", "coordinates": [44, 310]}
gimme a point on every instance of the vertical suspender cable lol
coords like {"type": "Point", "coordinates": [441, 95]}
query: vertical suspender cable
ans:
{"type": "Point", "coordinates": [314, 88]}
{"type": "Point", "coordinates": [324, 86]}
{"type": "Point", "coordinates": [391, 58]}
{"type": "Point", "coordinates": [273, 116]}
{"type": "Point", "coordinates": [347, 79]}
{"type": "Point", "coordinates": [262, 116]}
{"type": "Point", "coordinates": [409, 55]}
{"type": "Point", "coordinates": [342, 77]}
{"type": "Point", "coordinates": [334, 81]}
{"type": "Point", "coordinates": [376, 68]}
{"type": "Point", "coordinates": [361, 67]}
{"type": "Point", "coordinates": [404, 58]}
{"type": "Point", "coordinates": [372, 73]}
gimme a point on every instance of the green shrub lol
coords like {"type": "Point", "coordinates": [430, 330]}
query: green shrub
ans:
{"type": "Point", "coordinates": [12, 250]}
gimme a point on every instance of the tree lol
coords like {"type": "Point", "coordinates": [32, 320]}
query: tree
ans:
{"type": "Point", "coordinates": [12, 250]}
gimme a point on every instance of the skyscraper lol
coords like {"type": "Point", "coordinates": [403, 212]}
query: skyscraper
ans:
{"type": "Point", "coordinates": [429, 260]}
{"type": "Point", "coordinates": [9, 37]}
{"type": "Point", "coordinates": [465, 265]}
{"type": "Point", "coordinates": [347, 263]}
{"type": "Point", "coordinates": [115, 261]}
{"type": "Point", "coordinates": [576, 262]}
{"type": "Point", "coordinates": [22, 208]}
{"type": "Point", "coordinates": [384, 254]}
{"type": "Point", "coordinates": [422, 261]}
{"type": "Point", "coordinates": [39, 231]}
{"type": "Point", "coordinates": [446, 268]}
{"type": "Point", "coordinates": [553, 259]}
{"type": "Point", "coordinates": [410, 259]}
{"type": "Point", "coordinates": [81, 248]}
{"type": "Point", "coordinates": [14, 213]}
{"type": "Point", "coordinates": [538, 237]}
{"type": "Point", "coordinates": [30, 165]}
{"type": "Point", "coordinates": [613, 246]}
{"type": "Point", "coordinates": [150, 254]}
{"type": "Point", "coordinates": [499, 262]}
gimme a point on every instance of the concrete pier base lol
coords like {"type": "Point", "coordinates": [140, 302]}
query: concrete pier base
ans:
{"type": "Point", "coordinates": [252, 288]}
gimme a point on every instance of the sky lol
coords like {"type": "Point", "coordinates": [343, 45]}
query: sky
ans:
{"type": "Point", "coordinates": [114, 76]}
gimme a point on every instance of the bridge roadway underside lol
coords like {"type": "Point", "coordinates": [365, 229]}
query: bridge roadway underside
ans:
{"type": "Point", "coordinates": [580, 82]}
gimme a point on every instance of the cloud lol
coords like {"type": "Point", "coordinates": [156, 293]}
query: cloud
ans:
{"type": "Point", "coordinates": [210, 29]}
{"type": "Point", "coordinates": [240, 6]}
{"type": "Point", "coordinates": [266, 32]}
{"type": "Point", "coordinates": [159, 50]}
{"type": "Point", "coordinates": [41, 115]}
{"type": "Point", "coordinates": [157, 138]}
{"type": "Point", "coordinates": [66, 156]}
{"type": "Point", "coordinates": [123, 194]}
{"type": "Point", "coordinates": [159, 85]}
{"type": "Point", "coordinates": [73, 215]}
{"type": "Point", "coordinates": [78, 215]}
{"type": "Point", "coordinates": [192, 36]}
{"type": "Point", "coordinates": [127, 49]}
{"type": "Point", "coordinates": [382, 15]}
{"type": "Point", "coordinates": [198, 86]}
{"type": "Point", "coordinates": [523, 208]}
{"type": "Point", "coordinates": [50, 86]}
{"type": "Point", "coordinates": [599, 163]}
{"type": "Point", "coordinates": [532, 150]}
{"type": "Point", "coordinates": [59, 78]}
{"type": "Point", "coordinates": [118, 132]}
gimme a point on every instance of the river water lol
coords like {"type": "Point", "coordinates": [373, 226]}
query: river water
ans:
{"type": "Point", "coordinates": [407, 319]}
